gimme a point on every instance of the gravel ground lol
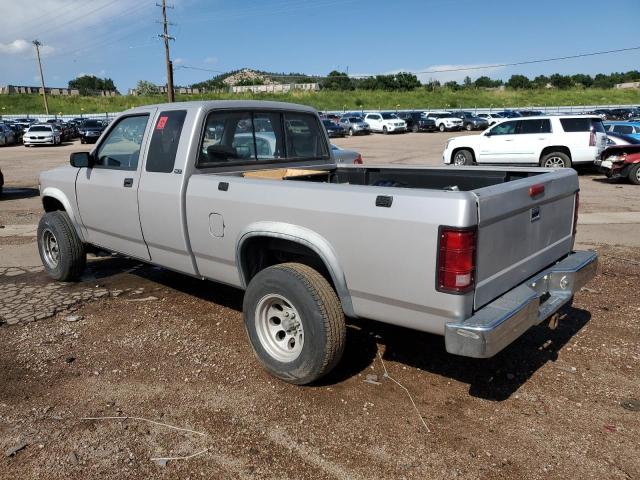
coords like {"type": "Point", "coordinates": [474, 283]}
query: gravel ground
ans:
{"type": "Point", "coordinates": [146, 345]}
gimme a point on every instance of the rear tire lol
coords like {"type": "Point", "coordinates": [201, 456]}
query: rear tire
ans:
{"type": "Point", "coordinates": [555, 160]}
{"type": "Point", "coordinates": [415, 128]}
{"type": "Point", "coordinates": [295, 322]}
{"type": "Point", "coordinates": [385, 131]}
{"type": "Point", "coordinates": [469, 127]}
{"type": "Point", "coordinates": [441, 127]}
{"type": "Point", "coordinates": [351, 132]}
{"type": "Point", "coordinates": [61, 250]}
{"type": "Point", "coordinates": [462, 157]}
{"type": "Point", "coordinates": [634, 174]}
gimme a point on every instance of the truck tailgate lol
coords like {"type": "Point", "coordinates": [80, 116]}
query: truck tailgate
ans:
{"type": "Point", "coordinates": [520, 232]}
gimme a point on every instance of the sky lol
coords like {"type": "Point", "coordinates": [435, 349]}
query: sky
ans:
{"type": "Point", "coordinates": [119, 38]}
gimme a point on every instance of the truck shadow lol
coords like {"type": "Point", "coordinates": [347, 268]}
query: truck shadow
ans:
{"type": "Point", "coordinates": [494, 378]}
{"type": "Point", "coordinates": [17, 193]}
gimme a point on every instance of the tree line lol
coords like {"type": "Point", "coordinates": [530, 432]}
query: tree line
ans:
{"type": "Point", "coordinates": [90, 84]}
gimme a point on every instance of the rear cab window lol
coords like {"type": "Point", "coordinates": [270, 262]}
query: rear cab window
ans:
{"type": "Point", "coordinates": [246, 137]}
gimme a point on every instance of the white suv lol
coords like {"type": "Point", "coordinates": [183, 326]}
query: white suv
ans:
{"type": "Point", "coordinates": [385, 122]}
{"type": "Point", "coordinates": [553, 141]}
{"type": "Point", "coordinates": [445, 121]}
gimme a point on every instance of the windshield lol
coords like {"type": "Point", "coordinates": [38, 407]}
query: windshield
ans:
{"type": "Point", "coordinates": [40, 128]}
{"type": "Point", "coordinates": [92, 124]}
{"type": "Point", "coordinates": [388, 116]}
{"type": "Point", "coordinates": [355, 119]}
{"type": "Point", "coordinates": [328, 123]}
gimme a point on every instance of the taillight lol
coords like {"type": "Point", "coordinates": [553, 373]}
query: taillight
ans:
{"type": "Point", "coordinates": [456, 259]}
{"type": "Point", "coordinates": [575, 213]}
{"type": "Point", "coordinates": [358, 160]}
{"type": "Point", "coordinates": [592, 139]}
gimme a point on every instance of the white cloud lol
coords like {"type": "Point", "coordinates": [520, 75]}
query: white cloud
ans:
{"type": "Point", "coordinates": [178, 61]}
{"type": "Point", "coordinates": [210, 60]}
{"type": "Point", "coordinates": [16, 47]}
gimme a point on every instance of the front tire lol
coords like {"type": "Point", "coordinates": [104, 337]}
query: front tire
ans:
{"type": "Point", "coordinates": [441, 127]}
{"type": "Point", "coordinates": [61, 250]}
{"type": "Point", "coordinates": [469, 127]}
{"type": "Point", "coordinates": [462, 157]}
{"type": "Point", "coordinates": [295, 322]}
{"type": "Point", "coordinates": [555, 160]}
{"type": "Point", "coordinates": [385, 131]}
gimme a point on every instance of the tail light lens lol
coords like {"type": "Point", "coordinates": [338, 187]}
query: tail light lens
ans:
{"type": "Point", "coordinates": [592, 139]}
{"type": "Point", "coordinates": [575, 213]}
{"type": "Point", "coordinates": [456, 260]}
{"type": "Point", "coordinates": [358, 160]}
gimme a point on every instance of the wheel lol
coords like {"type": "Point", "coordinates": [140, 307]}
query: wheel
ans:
{"type": "Point", "coordinates": [82, 140]}
{"type": "Point", "coordinates": [634, 174]}
{"type": "Point", "coordinates": [441, 127]}
{"type": "Point", "coordinates": [555, 160]}
{"type": "Point", "coordinates": [415, 128]}
{"type": "Point", "coordinates": [463, 157]}
{"type": "Point", "coordinates": [384, 130]}
{"type": "Point", "coordinates": [469, 127]}
{"type": "Point", "coordinates": [61, 250]}
{"type": "Point", "coordinates": [351, 132]}
{"type": "Point", "coordinates": [295, 322]}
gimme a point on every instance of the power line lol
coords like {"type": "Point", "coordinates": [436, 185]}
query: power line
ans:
{"type": "Point", "coordinates": [444, 70]}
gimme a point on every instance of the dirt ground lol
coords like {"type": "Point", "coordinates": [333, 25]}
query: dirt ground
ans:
{"type": "Point", "coordinates": [146, 345]}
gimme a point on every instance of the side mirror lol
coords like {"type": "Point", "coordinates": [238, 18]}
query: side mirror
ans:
{"type": "Point", "coordinates": [488, 133]}
{"type": "Point", "coordinates": [81, 160]}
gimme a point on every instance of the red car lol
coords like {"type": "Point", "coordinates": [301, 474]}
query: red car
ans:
{"type": "Point", "coordinates": [621, 161]}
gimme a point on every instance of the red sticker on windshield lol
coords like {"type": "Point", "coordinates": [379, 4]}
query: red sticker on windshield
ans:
{"type": "Point", "coordinates": [162, 121]}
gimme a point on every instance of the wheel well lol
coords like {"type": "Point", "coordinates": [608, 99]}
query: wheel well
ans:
{"type": "Point", "coordinates": [456, 150]}
{"type": "Point", "coordinates": [51, 204]}
{"type": "Point", "coordinates": [259, 253]}
{"type": "Point", "coordinates": [556, 148]}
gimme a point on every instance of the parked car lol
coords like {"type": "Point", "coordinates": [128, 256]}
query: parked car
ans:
{"type": "Point", "coordinates": [355, 126]}
{"type": "Point", "coordinates": [18, 131]}
{"type": "Point", "coordinates": [445, 121]}
{"type": "Point", "coordinates": [1, 181]}
{"type": "Point", "coordinates": [510, 114]}
{"type": "Point", "coordinates": [342, 155]}
{"type": "Point", "coordinates": [416, 122]}
{"type": "Point", "coordinates": [90, 131]}
{"type": "Point", "coordinates": [626, 128]}
{"type": "Point", "coordinates": [552, 142]}
{"type": "Point", "coordinates": [531, 113]}
{"type": "Point", "coordinates": [333, 130]}
{"type": "Point", "coordinates": [621, 113]}
{"type": "Point", "coordinates": [468, 263]}
{"type": "Point", "coordinates": [621, 161]}
{"type": "Point", "coordinates": [385, 122]}
{"type": "Point", "coordinates": [7, 135]}
{"type": "Point", "coordinates": [620, 139]}
{"type": "Point", "coordinates": [471, 121]}
{"type": "Point", "coordinates": [603, 113]}
{"type": "Point", "coordinates": [42, 134]}
{"type": "Point", "coordinates": [330, 116]}
{"type": "Point", "coordinates": [492, 118]}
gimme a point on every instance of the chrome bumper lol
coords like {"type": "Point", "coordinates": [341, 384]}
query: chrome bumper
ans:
{"type": "Point", "coordinates": [499, 323]}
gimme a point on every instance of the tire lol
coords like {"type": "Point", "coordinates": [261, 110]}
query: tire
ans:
{"type": "Point", "coordinates": [384, 130]}
{"type": "Point", "coordinates": [415, 128]}
{"type": "Point", "coordinates": [634, 174]}
{"type": "Point", "coordinates": [441, 127]}
{"type": "Point", "coordinates": [462, 157]}
{"type": "Point", "coordinates": [469, 127]}
{"type": "Point", "coordinates": [82, 141]}
{"type": "Point", "coordinates": [351, 132]}
{"type": "Point", "coordinates": [61, 250]}
{"type": "Point", "coordinates": [279, 294]}
{"type": "Point", "coordinates": [555, 160]}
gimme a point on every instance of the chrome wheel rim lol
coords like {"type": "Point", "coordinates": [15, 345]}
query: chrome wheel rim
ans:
{"type": "Point", "coordinates": [554, 162]}
{"type": "Point", "coordinates": [638, 174]}
{"type": "Point", "coordinates": [459, 159]}
{"type": "Point", "coordinates": [279, 328]}
{"type": "Point", "coordinates": [50, 248]}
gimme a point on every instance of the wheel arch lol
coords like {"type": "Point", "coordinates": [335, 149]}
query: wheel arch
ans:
{"type": "Point", "coordinates": [555, 148]}
{"type": "Point", "coordinates": [457, 149]}
{"type": "Point", "coordinates": [54, 199]}
{"type": "Point", "coordinates": [292, 242]}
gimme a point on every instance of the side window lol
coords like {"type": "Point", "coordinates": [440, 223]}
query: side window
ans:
{"type": "Point", "coordinates": [534, 126]}
{"type": "Point", "coordinates": [121, 149]}
{"type": "Point", "coordinates": [504, 128]}
{"type": "Point", "coordinates": [269, 139]}
{"type": "Point", "coordinates": [304, 139]}
{"type": "Point", "coordinates": [164, 141]}
{"type": "Point", "coordinates": [623, 129]}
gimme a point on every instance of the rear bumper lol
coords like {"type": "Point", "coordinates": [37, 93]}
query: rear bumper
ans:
{"type": "Point", "coordinates": [499, 323]}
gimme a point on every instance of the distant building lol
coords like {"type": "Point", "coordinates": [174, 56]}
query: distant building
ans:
{"type": "Point", "coordinates": [626, 85]}
{"type": "Point", "coordinates": [276, 88]}
{"type": "Point", "coordinates": [179, 90]}
{"type": "Point", "coordinates": [26, 90]}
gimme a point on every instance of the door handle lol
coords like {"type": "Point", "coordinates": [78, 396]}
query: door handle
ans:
{"type": "Point", "coordinates": [128, 182]}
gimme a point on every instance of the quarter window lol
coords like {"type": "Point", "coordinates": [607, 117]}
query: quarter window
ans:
{"type": "Point", "coordinates": [164, 141]}
{"type": "Point", "coordinates": [120, 150]}
{"type": "Point", "coordinates": [535, 126]}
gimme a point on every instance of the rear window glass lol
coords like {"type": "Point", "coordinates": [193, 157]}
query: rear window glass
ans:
{"type": "Point", "coordinates": [581, 124]}
{"type": "Point", "coordinates": [165, 140]}
{"type": "Point", "coordinates": [623, 129]}
{"type": "Point", "coordinates": [535, 126]}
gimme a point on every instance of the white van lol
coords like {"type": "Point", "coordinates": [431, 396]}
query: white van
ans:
{"type": "Point", "coordinates": [549, 141]}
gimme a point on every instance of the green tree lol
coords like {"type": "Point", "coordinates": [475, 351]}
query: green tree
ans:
{"type": "Point", "coordinates": [452, 85]}
{"type": "Point", "coordinates": [407, 81]}
{"type": "Point", "coordinates": [145, 88]}
{"type": "Point", "coordinates": [90, 84]}
{"type": "Point", "coordinates": [561, 81]}
{"type": "Point", "coordinates": [337, 81]}
{"type": "Point", "coordinates": [467, 82]}
{"type": "Point", "coordinates": [540, 81]}
{"type": "Point", "coordinates": [581, 79]}
{"type": "Point", "coordinates": [518, 82]}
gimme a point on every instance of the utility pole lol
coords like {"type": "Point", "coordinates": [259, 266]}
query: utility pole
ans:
{"type": "Point", "coordinates": [165, 36]}
{"type": "Point", "coordinates": [37, 44]}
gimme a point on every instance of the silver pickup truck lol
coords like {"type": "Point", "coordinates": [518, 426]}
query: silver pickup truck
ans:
{"type": "Point", "coordinates": [248, 194]}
